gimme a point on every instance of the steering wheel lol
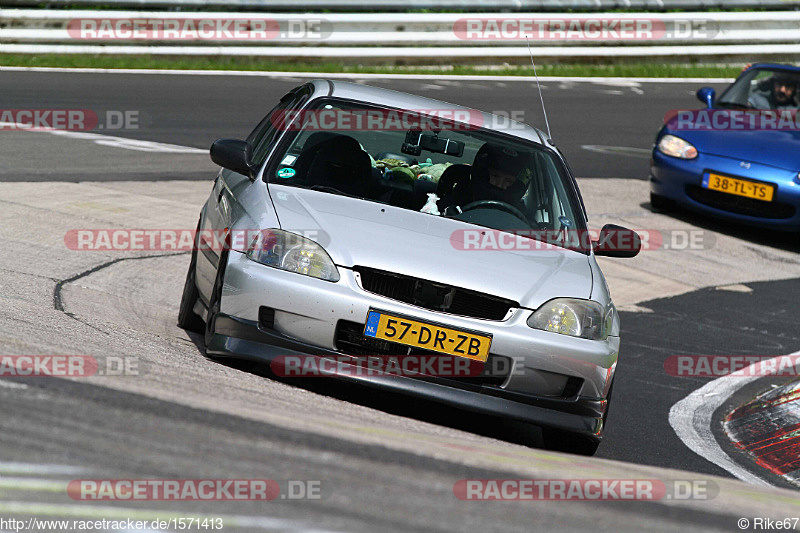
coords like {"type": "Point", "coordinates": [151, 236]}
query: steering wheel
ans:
{"type": "Point", "coordinates": [496, 204]}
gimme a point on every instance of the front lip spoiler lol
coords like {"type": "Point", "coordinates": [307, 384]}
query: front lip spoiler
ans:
{"type": "Point", "coordinates": [244, 339]}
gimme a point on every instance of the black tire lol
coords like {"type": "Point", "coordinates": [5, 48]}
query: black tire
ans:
{"type": "Point", "coordinates": [608, 404]}
{"type": "Point", "coordinates": [564, 441]}
{"type": "Point", "coordinates": [215, 299]}
{"type": "Point", "coordinates": [187, 318]}
{"type": "Point", "coordinates": [660, 203]}
{"type": "Point", "coordinates": [584, 446]}
{"type": "Point", "coordinates": [571, 443]}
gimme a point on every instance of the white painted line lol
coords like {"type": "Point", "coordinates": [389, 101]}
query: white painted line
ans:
{"type": "Point", "coordinates": [12, 385]}
{"type": "Point", "coordinates": [691, 418]}
{"type": "Point", "coordinates": [348, 76]}
{"type": "Point", "coordinates": [130, 144]}
{"type": "Point", "coordinates": [28, 484]}
{"type": "Point", "coordinates": [628, 151]}
{"type": "Point", "coordinates": [7, 468]}
{"type": "Point", "coordinates": [109, 140]}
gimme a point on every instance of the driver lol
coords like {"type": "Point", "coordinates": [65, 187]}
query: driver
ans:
{"type": "Point", "coordinates": [779, 92]}
{"type": "Point", "coordinates": [495, 176]}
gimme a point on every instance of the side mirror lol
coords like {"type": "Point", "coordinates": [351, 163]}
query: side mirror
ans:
{"type": "Point", "coordinates": [706, 95]}
{"type": "Point", "coordinates": [616, 241]}
{"type": "Point", "coordinates": [235, 155]}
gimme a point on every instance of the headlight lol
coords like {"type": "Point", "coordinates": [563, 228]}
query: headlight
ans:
{"type": "Point", "coordinates": [293, 253]}
{"type": "Point", "coordinates": [676, 147]}
{"type": "Point", "coordinates": [577, 318]}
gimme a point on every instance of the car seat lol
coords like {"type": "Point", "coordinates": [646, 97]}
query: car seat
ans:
{"type": "Point", "coordinates": [342, 164]}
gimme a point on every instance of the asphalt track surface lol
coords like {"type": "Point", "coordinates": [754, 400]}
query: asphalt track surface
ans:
{"type": "Point", "coordinates": [84, 429]}
{"type": "Point", "coordinates": [194, 111]}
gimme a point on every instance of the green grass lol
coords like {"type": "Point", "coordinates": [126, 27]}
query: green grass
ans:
{"type": "Point", "coordinates": [645, 70]}
{"type": "Point", "coordinates": [790, 4]}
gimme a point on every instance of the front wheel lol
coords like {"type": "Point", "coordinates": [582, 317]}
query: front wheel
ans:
{"type": "Point", "coordinates": [565, 441]}
{"type": "Point", "coordinates": [571, 443]}
{"type": "Point", "coordinates": [216, 298]}
{"type": "Point", "coordinates": [187, 318]}
{"type": "Point", "coordinates": [660, 203]}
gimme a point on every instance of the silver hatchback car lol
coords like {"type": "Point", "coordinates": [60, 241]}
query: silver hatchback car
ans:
{"type": "Point", "coordinates": [413, 245]}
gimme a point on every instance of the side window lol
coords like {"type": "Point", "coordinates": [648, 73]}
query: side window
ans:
{"type": "Point", "coordinates": [547, 196]}
{"type": "Point", "coordinates": [263, 137]}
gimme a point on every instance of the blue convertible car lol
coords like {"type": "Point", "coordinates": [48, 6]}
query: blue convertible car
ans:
{"type": "Point", "coordinates": [739, 158]}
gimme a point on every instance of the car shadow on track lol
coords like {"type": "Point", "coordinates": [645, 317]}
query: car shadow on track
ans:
{"type": "Point", "coordinates": [401, 405]}
{"type": "Point", "coordinates": [782, 240]}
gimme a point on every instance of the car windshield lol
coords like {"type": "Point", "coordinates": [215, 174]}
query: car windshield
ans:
{"type": "Point", "coordinates": [404, 158]}
{"type": "Point", "coordinates": [763, 88]}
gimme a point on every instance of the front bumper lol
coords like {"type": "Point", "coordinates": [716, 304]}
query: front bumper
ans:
{"type": "Point", "coordinates": [307, 312]}
{"type": "Point", "coordinates": [243, 339]}
{"type": "Point", "coordinates": [680, 180]}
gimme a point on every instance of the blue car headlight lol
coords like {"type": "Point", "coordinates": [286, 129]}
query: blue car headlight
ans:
{"type": "Point", "coordinates": [577, 318]}
{"type": "Point", "coordinates": [293, 253]}
{"type": "Point", "coordinates": [676, 147]}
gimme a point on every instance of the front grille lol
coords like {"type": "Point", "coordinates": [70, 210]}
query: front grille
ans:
{"type": "Point", "coordinates": [740, 204]}
{"type": "Point", "coordinates": [434, 296]}
{"type": "Point", "coordinates": [350, 340]}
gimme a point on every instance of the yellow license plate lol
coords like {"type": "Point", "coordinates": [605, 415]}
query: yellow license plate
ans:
{"type": "Point", "coordinates": [440, 339]}
{"type": "Point", "coordinates": [748, 189]}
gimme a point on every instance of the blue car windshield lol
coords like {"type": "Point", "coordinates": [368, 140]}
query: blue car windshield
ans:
{"type": "Point", "coordinates": [763, 88]}
{"type": "Point", "coordinates": [433, 161]}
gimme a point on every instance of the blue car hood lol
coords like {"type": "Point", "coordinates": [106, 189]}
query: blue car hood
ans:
{"type": "Point", "coordinates": [769, 147]}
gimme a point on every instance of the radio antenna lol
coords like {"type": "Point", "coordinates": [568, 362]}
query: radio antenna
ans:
{"type": "Point", "coordinates": [544, 111]}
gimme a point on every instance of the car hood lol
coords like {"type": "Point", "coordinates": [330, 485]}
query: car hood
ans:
{"type": "Point", "coordinates": [769, 147]}
{"type": "Point", "coordinates": [362, 233]}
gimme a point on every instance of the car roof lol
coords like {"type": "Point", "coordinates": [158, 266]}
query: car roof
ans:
{"type": "Point", "coordinates": [387, 97]}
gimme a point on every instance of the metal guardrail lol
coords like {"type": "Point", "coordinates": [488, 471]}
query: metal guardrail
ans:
{"type": "Point", "coordinates": [417, 38]}
{"type": "Point", "coordinates": [405, 5]}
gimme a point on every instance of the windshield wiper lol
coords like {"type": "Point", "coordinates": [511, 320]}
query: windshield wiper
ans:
{"type": "Point", "coordinates": [332, 190]}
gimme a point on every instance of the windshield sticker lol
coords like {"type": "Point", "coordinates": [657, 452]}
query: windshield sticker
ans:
{"type": "Point", "coordinates": [286, 173]}
{"type": "Point", "coordinates": [564, 220]}
{"type": "Point", "coordinates": [289, 160]}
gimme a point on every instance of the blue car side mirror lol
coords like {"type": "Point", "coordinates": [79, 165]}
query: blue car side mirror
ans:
{"type": "Point", "coordinates": [706, 95]}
